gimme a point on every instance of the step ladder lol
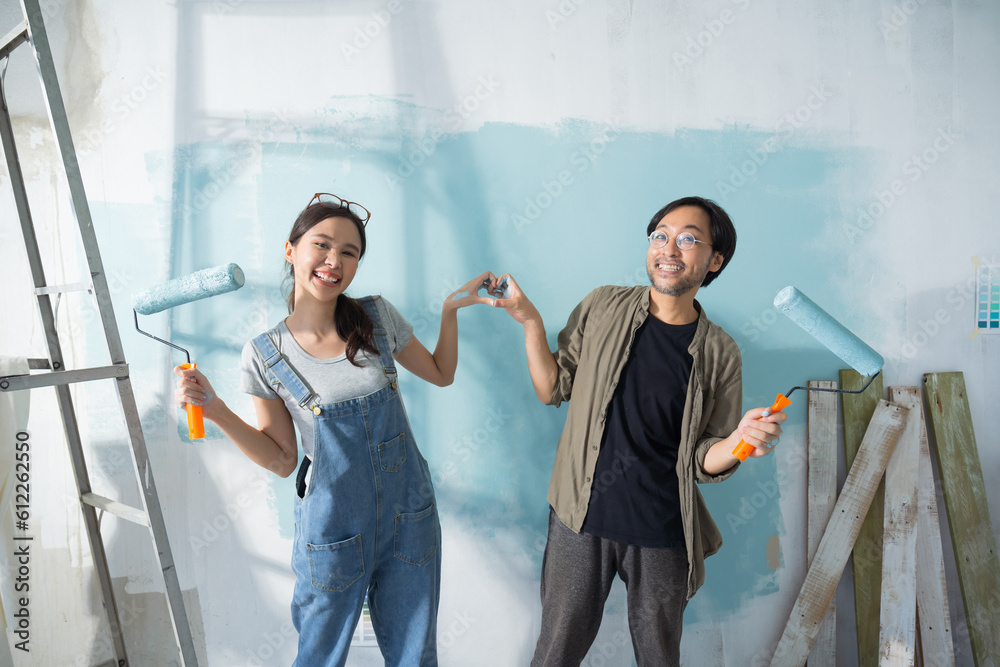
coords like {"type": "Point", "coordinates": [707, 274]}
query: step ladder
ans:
{"type": "Point", "coordinates": [31, 32]}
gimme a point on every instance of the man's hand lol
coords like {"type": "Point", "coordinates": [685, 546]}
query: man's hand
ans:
{"type": "Point", "coordinates": [516, 304]}
{"type": "Point", "coordinates": [760, 428]}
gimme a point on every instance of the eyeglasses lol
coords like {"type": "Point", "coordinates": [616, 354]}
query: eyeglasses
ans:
{"type": "Point", "coordinates": [335, 202]}
{"type": "Point", "coordinates": [684, 240]}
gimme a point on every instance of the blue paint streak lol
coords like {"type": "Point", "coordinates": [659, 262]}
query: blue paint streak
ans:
{"type": "Point", "coordinates": [564, 210]}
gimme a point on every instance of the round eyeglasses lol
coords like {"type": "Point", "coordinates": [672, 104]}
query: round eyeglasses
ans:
{"type": "Point", "coordinates": [684, 240]}
{"type": "Point", "coordinates": [335, 202]}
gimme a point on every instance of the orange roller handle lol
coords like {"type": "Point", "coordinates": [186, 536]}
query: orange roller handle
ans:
{"type": "Point", "coordinates": [196, 424]}
{"type": "Point", "coordinates": [743, 450]}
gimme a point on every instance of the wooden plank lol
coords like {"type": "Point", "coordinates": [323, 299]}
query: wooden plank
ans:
{"type": "Point", "coordinates": [866, 560]}
{"type": "Point", "coordinates": [968, 513]}
{"type": "Point", "coordinates": [935, 647]}
{"type": "Point", "coordinates": [841, 533]}
{"type": "Point", "coordinates": [898, 629]}
{"type": "Point", "coordinates": [821, 416]}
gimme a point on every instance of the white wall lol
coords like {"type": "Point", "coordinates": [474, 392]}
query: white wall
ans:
{"type": "Point", "coordinates": [156, 91]}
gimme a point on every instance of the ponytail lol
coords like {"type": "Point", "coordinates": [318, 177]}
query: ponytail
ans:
{"type": "Point", "coordinates": [354, 326]}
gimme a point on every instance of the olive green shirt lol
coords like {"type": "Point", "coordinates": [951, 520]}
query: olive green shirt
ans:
{"type": "Point", "coordinates": [593, 349]}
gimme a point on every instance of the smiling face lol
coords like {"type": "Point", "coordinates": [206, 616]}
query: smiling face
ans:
{"type": "Point", "coordinates": [324, 260]}
{"type": "Point", "coordinates": [673, 271]}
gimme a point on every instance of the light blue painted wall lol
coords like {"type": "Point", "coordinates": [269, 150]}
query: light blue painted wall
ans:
{"type": "Point", "coordinates": [468, 208]}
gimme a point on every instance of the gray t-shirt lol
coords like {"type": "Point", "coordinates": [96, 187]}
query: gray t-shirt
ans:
{"type": "Point", "coordinates": [333, 380]}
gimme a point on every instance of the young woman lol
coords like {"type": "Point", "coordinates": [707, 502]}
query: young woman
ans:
{"type": "Point", "coordinates": [365, 517]}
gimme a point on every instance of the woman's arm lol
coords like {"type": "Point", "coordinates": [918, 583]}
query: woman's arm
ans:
{"type": "Point", "coordinates": [272, 446]}
{"type": "Point", "coordinates": [439, 368]}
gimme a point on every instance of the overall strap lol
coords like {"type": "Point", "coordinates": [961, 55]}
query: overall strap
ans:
{"type": "Point", "coordinates": [381, 338]}
{"type": "Point", "coordinates": [279, 369]}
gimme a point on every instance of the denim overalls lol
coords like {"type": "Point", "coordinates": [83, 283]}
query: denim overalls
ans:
{"type": "Point", "coordinates": [367, 523]}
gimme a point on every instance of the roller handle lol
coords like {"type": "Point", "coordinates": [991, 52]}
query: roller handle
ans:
{"type": "Point", "coordinates": [196, 424]}
{"type": "Point", "coordinates": [743, 450]}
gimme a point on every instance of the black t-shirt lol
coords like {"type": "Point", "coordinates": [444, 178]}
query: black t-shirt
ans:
{"type": "Point", "coordinates": [634, 497]}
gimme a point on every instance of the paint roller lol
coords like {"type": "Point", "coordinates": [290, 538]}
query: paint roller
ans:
{"type": "Point", "coordinates": [814, 320]}
{"type": "Point", "coordinates": [199, 285]}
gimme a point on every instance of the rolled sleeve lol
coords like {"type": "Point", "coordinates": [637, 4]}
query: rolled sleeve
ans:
{"type": "Point", "coordinates": [725, 417]}
{"type": "Point", "coordinates": [567, 355]}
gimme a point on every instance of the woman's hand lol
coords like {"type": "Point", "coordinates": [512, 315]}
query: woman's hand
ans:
{"type": "Point", "coordinates": [193, 387]}
{"type": "Point", "coordinates": [468, 294]}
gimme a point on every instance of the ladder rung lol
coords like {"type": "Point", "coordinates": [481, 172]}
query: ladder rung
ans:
{"type": "Point", "coordinates": [118, 509]}
{"type": "Point", "coordinates": [18, 382]}
{"type": "Point", "coordinates": [13, 39]}
{"type": "Point", "coordinates": [57, 289]}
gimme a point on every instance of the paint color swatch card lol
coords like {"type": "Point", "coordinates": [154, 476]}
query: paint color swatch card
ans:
{"type": "Point", "coordinates": [988, 299]}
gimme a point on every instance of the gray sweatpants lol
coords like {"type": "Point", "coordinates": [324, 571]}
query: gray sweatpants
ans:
{"type": "Point", "coordinates": [577, 572]}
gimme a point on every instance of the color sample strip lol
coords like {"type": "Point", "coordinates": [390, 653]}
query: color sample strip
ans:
{"type": "Point", "coordinates": [834, 549]}
{"type": "Point", "coordinates": [988, 299]}
{"type": "Point", "coordinates": [821, 417]}
{"type": "Point", "coordinates": [867, 558]}
{"type": "Point", "coordinates": [968, 513]}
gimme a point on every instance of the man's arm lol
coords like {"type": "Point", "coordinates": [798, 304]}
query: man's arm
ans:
{"type": "Point", "coordinates": [758, 427]}
{"type": "Point", "coordinates": [541, 362]}
{"type": "Point", "coordinates": [714, 458]}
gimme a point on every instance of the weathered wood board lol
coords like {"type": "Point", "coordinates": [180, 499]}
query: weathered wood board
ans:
{"type": "Point", "coordinates": [968, 513]}
{"type": "Point", "coordinates": [898, 629]}
{"type": "Point", "coordinates": [840, 535]}
{"type": "Point", "coordinates": [935, 644]}
{"type": "Point", "coordinates": [821, 419]}
{"type": "Point", "coordinates": [867, 557]}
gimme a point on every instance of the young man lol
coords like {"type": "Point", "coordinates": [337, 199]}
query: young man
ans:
{"type": "Point", "coordinates": [656, 393]}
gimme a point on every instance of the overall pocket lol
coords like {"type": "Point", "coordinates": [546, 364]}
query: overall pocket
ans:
{"type": "Point", "coordinates": [335, 566]}
{"type": "Point", "coordinates": [392, 453]}
{"type": "Point", "coordinates": [416, 536]}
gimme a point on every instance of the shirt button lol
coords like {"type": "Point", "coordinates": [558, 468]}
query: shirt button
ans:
{"type": "Point", "coordinates": [595, 448]}
{"type": "Point", "coordinates": [588, 480]}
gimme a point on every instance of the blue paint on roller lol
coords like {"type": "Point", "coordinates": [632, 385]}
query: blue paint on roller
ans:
{"type": "Point", "coordinates": [192, 287]}
{"type": "Point", "coordinates": [815, 321]}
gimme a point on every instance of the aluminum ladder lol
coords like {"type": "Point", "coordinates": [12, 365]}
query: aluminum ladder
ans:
{"type": "Point", "coordinates": [31, 31]}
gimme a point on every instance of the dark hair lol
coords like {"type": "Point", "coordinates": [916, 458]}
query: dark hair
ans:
{"type": "Point", "coordinates": [350, 318]}
{"type": "Point", "coordinates": [721, 227]}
